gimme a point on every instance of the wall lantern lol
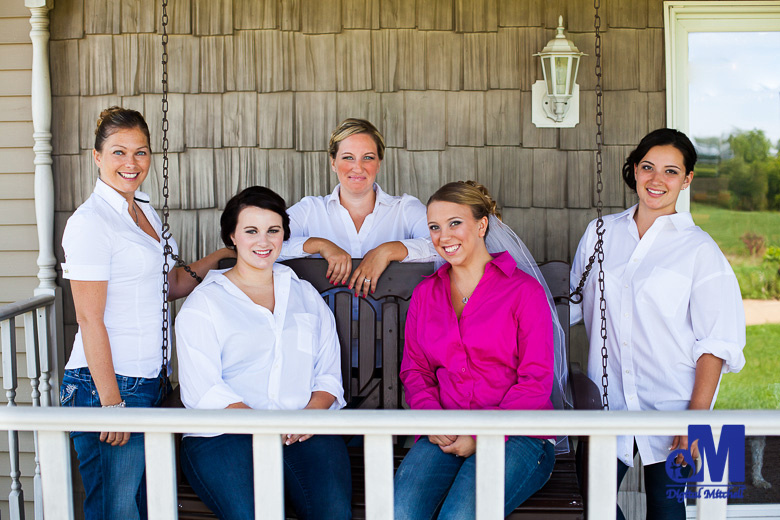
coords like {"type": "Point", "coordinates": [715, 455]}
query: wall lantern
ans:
{"type": "Point", "coordinates": [555, 102]}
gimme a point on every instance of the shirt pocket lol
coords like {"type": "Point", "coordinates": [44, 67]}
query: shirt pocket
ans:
{"type": "Point", "coordinates": [666, 290]}
{"type": "Point", "coordinates": [307, 326]}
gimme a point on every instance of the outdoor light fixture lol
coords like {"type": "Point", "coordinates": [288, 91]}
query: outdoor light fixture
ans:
{"type": "Point", "coordinates": [556, 100]}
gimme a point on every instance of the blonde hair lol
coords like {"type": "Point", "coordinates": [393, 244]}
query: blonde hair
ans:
{"type": "Point", "coordinates": [115, 118]}
{"type": "Point", "coordinates": [350, 127]}
{"type": "Point", "coordinates": [468, 193]}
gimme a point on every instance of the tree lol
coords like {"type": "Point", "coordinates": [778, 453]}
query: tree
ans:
{"type": "Point", "coordinates": [751, 145]}
{"type": "Point", "coordinates": [747, 183]}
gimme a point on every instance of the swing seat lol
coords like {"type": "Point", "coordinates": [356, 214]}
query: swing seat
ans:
{"type": "Point", "coordinates": [374, 382]}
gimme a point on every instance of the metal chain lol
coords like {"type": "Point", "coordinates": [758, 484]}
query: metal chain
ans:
{"type": "Point", "coordinates": [598, 250]}
{"type": "Point", "coordinates": [166, 228]}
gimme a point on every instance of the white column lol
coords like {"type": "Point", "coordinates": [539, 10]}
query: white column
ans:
{"type": "Point", "coordinates": [269, 476]}
{"type": "Point", "coordinates": [160, 476]}
{"type": "Point", "coordinates": [602, 477]}
{"type": "Point", "coordinates": [378, 456]}
{"type": "Point", "coordinates": [41, 114]}
{"type": "Point", "coordinates": [490, 477]}
{"type": "Point", "coordinates": [55, 473]}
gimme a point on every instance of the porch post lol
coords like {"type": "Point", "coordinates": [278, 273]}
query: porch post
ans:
{"type": "Point", "coordinates": [41, 115]}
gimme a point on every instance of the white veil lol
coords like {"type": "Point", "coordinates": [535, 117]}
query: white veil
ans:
{"type": "Point", "coordinates": [501, 238]}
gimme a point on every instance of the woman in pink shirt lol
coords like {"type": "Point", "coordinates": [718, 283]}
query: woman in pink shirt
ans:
{"type": "Point", "coordinates": [479, 336]}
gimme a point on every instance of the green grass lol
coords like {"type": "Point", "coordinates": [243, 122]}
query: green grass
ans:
{"type": "Point", "coordinates": [757, 385]}
{"type": "Point", "coordinates": [757, 279]}
{"type": "Point", "coordinates": [726, 226]}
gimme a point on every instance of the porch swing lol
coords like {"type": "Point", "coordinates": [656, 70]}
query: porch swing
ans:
{"type": "Point", "coordinates": [371, 387]}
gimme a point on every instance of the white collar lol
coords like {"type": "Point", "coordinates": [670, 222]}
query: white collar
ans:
{"type": "Point", "coordinates": [681, 220]}
{"type": "Point", "coordinates": [218, 276]}
{"type": "Point", "coordinates": [114, 198]}
{"type": "Point", "coordinates": [333, 200]}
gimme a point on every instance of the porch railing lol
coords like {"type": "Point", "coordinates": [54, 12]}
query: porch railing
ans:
{"type": "Point", "coordinates": [35, 314]}
{"type": "Point", "coordinates": [378, 426]}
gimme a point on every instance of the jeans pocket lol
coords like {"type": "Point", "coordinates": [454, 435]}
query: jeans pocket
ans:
{"type": "Point", "coordinates": [68, 394]}
{"type": "Point", "coordinates": [141, 393]}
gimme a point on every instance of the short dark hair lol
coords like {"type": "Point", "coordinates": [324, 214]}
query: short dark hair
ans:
{"type": "Point", "coordinates": [660, 137]}
{"type": "Point", "coordinates": [115, 118]}
{"type": "Point", "coordinates": [255, 196]}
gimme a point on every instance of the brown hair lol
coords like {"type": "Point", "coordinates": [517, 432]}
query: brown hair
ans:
{"type": "Point", "coordinates": [471, 194]}
{"type": "Point", "coordinates": [117, 118]}
{"type": "Point", "coordinates": [350, 127]}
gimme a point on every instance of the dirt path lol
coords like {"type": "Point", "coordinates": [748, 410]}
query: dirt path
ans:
{"type": "Point", "coordinates": [758, 312]}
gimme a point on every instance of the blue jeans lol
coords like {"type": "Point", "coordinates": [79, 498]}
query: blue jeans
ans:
{"type": "Point", "coordinates": [656, 480]}
{"type": "Point", "coordinates": [113, 476]}
{"type": "Point", "coordinates": [430, 481]}
{"type": "Point", "coordinates": [317, 476]}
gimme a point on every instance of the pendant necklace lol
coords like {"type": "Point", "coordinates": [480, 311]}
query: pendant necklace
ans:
{"type": "Point", "coordinates": [464, 298]}
{"type": "Point", "coordinates": [135, 218]}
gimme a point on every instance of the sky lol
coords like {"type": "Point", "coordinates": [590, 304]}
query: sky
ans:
{"type": "Point", "coordinates": [734, 83]}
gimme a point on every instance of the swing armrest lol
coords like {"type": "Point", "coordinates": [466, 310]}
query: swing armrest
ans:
{"type": "Point", "coordinates": [585, 393]}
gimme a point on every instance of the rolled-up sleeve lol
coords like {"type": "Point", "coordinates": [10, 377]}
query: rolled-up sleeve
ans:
{"type": "Point", "coordinates": [327, 364]}
{"type": "Point", "coordinates": [717, 314]}
{"type": "Point", "coordinates": [293, 247]}
{"type": "Point", "coordinates": [418, 245]}
{"type": "Point", "coordinates": [88, 248]}
{"type": "Point", "coordinates": [200, 362]}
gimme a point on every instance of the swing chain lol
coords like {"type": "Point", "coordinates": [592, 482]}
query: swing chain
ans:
{"type": "Point", "coordinates": [166, 228]}
{"type": "Point", "coordinates": [598, 250]}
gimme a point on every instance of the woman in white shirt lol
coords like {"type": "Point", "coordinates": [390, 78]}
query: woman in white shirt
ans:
{"type": "Point", "coordinates": [358, 220]}
{"type": "Point", "coordinates": [675, 320]}
{"type": "Point", "coordinates": [256, 336]}
{"type": "Point", "coordinates": [114, 260]}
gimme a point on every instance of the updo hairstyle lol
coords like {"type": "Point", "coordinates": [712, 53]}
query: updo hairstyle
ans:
{"type": "Point", "coordinates": [115, 118]}
{"type": "Point", "coordinates": [660, 137]}
{"type": "Point", "coordinates": [471, 194]}
{"type": "Point", "coordinates": [255, 196]}
{"type": "Point", "coordinates": [350, 127]}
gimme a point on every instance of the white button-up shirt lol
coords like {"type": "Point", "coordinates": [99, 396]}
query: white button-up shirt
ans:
{"type": "Point", "coordinates": [232, 350]}
{"type": "Point", "coordinates": [670, 297]}
{"type": "Point", "coordinates": [102, 243]}
{"type": "Point", "coordinates": [394, 218]}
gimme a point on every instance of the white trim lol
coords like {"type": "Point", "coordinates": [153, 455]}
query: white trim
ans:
{"type": "Point", "coordinates": [684, 17]}
{"type": "Point", "coordinates": [41, 115]}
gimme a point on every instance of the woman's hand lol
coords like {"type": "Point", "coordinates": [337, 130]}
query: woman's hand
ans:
{"type": "Point", "coordinates": [292, 438]}
{"type": "Point", "coordinates": [464, 446]}
{"type": "Point", "coordinates": [339, 261]}
{"type": "Point", "coordinates": [319, 400]}
{"type": "Point", "coordinates": [115, 438]}
{"type": "Point", "coordinates": [680, 442]}
{"type": "Point", "coordinates": [442, 440]}
{"type": "Point", "coordinates": [372, 266]}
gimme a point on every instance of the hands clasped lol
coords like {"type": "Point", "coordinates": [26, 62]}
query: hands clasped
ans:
{"type": "Point", "coordinates": [458, 445]}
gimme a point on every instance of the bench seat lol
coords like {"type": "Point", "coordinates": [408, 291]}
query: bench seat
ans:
{"type": "Point", "coordinates": [369, 387]}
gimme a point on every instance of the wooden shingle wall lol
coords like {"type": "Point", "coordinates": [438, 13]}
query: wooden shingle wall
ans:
{"type": "Point", "coordinates": [257, 86]}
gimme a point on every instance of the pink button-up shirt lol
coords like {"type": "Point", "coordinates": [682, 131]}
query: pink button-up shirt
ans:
{"type": "Point", "coordinates": [499, 355]}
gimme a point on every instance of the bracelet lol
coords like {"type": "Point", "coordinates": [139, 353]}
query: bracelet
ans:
{"type": "Point", "coordinates": [121, 404]}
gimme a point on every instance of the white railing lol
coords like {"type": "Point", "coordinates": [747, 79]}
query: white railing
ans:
{"type": "Point", "coordinates": [35, 314]}
{"type": "Point", "coordinates": [378, 426]}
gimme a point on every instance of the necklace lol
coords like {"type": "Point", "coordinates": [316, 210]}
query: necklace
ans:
{"type": "Point", "coordinates": [135, 213]}
{"type": "Point", "coordinates": [464, 298]}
